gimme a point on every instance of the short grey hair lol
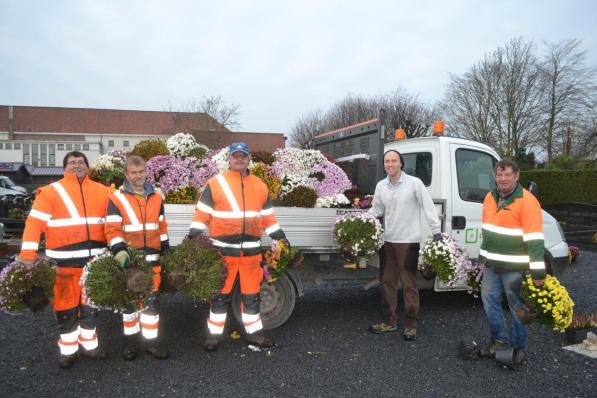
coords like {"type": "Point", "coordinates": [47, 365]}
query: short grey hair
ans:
{"type": "Point", "coordinates": [506, 163]}
{"type": "Point", "coordinates": [134, 161]}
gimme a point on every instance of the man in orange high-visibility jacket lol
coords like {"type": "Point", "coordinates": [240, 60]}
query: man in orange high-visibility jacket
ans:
{"type": "Point", "coordinates": [234, 209]}
{"type": "Point", "coordinates": [71, 214]}
{"type": "Point", "coordinates": [513, 244]}
{"type": "Point", "coordinates": [135, 218]}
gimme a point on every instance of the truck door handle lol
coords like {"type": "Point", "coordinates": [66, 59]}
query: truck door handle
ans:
{"type": "Point", "coordinates": [458, 222]}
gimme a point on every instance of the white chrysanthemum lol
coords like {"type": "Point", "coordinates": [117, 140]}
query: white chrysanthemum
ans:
{"type": "Point", "coordinates": [182, 144]}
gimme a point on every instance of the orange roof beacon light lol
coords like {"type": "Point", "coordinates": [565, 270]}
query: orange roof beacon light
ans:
{"type": "Point", "coordinates": [438, 127]}
{"type": "Point", "coordinates": [399, 134]}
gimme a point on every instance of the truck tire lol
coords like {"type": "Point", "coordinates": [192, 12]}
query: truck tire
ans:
{"type": "Point", "coordinates": [277, 302]}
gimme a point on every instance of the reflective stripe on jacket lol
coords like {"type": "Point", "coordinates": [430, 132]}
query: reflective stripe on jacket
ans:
{"type": "Point", "coordinates": [138, 221]}
{"type": "Point", "coordinates": [71, 214]}
{"type": "Point", "coordinates": [236, 209]}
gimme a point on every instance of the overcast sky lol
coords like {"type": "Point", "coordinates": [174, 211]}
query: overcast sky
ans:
{"type": "Point", "coordinates": [277, 59]}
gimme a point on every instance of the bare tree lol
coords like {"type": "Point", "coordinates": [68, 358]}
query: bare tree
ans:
{"type": "Point", "coordinates": [402, 110]}
{"type": "Point", "coordinates": [570, 87]}
{"type": "Point", "coordinates": [350, 110]}
{"type": "Point", "coordinates": [498, 101]}
{"type": "Point", "coordinates": [215, 106]}
{"type": "Point", "coordinates": [407, 112]}
{"type": "Point", "coordinates": [307, 127]}
{"type": "Point", "coordinates": [467, 104]}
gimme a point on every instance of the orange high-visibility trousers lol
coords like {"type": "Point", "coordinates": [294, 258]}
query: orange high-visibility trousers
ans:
{"type": "Point", "coordinates": [250, 273]}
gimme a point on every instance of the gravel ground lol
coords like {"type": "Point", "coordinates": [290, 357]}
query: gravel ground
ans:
{"type": "Point", "coordinates": [324, 349]}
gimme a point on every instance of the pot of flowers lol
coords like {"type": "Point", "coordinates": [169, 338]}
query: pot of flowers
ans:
{"type": "Point", "coordinates": [23, 286]}
{"type": "Point", "coordinates": [579, 327]}
{"type": "Point", "coordinates": [547, 303]}
{"type": "Point", "coordinates": [359, 235]}
{"type": "Point", "coordinates": [194, 268]}
{"type": "Point", "coordinates": [107, 285]}
{"type": "Point", "coordinates": [445, 258]}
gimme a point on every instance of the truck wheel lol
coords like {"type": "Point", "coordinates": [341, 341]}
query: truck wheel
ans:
{"type": "Point", "coordinates": [277, 303]}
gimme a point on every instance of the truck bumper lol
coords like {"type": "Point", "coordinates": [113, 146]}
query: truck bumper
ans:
{"type": "Point", "coordinates": [558, 258]}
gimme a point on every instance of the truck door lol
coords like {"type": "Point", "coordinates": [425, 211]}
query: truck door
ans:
{"type": "Point", "coordinates": [472, 178]}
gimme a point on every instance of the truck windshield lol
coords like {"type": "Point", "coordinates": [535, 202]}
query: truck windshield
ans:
{"type": "Point", "coordinates": [418, 164]}
{"type": "Point", "coordinates": [475, 174]}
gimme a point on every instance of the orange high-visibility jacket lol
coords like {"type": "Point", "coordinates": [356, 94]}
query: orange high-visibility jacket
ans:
{"type": "Point", "coordinates": [138, 221]}
{"type": "Point", "coordinates": [71, 214]}
{"type": "Point", "coordinates": [235, 210]}
{"type": "Point", "coordinates": [513, 238]}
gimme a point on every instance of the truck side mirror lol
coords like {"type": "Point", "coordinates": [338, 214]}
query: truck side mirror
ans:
{"type": "Point", "coordinates": [533, 188]}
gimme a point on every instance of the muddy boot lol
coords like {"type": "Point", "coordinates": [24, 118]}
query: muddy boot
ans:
{"type": "Point", "coordinates": [66, 361]}
{"type": "Point", "coordinates": [211, 343]}
{"type": "Point", "coordinates": [96, 354]}
{"type": "Point", "coordinates": [130, 348]}
{"type": "Point", "coordinates": [155, 349]}
{"type": "Point", "coordinates": [489, 351]}
{"type": "Point", "coordinates": [259, 339]}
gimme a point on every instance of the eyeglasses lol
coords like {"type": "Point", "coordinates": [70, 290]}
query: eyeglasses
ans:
{"type": "Point", "coordinates": [239, 155]}
{"type": "Point", "coordinates": [76, 163]}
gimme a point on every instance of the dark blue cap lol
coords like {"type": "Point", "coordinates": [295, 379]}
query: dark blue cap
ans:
{"type": "Point", "coordinates": [239, 147]}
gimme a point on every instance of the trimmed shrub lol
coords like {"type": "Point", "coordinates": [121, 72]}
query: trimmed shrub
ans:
{"type": "Point", "coordinates": [561, 186]}
{"type": "Point", "coordinates": [150, 148]}
{"type": "Point", "coordinates": [300, 196]}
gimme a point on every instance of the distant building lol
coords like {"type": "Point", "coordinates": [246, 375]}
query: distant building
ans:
{"type": "Point", "coordinates": [41, 136]}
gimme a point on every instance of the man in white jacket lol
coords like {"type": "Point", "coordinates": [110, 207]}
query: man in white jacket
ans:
{"type": "Point", "coordinates": [401, 199]}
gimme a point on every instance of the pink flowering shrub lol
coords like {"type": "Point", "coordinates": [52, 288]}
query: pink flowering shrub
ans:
{"type": "Point", "coordinates": [171, 174]}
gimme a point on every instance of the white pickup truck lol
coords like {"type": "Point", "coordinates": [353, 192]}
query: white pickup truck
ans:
{"type": "Point", "coordinates": [457, 172]}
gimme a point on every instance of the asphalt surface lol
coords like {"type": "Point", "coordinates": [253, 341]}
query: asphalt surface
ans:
{"type": "Point", "coordinates": [324, 350]}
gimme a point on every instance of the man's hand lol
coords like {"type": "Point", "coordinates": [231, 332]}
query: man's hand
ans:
{"type": "Point", "coordinates": [539, 282]}
{"type": "Point", "coordinates": [287, 243]}
{"type": "Point", "coordinates": [122, 257]}
{"type": "Point", "coordinates": [437, 237]}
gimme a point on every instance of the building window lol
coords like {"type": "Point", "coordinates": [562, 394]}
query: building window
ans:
{"type": "Point", "coordinates": [1, 145]}
{"type": "Point", "coordinates": [77, 147]}
{"type": "Point", "coordinates": [26, 156]}
{"type": "Point", "coordinates": [111, 143]}
{"type": "Point", "coordinates": [9, 145]}
{"type": "Point", "coordinates": [85, 147]}
{"type": "Point", "coordinates": [43, 154]}
{"type": "Point", "coordinates": [61, 147]}
{"type": "Point", "coordinates": [34, 159]}
{"type": "Point", "coordinates": [52, 155]}
{"type": "Point", "coordinates": [69, 147]}
{"type": "Point", "coordinates": [125, 143]}
{"type": "Point", "coordinates": [17, 145]}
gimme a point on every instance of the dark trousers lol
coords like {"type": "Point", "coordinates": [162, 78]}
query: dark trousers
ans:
{"type": "Point", "coordinates": [400, 262]}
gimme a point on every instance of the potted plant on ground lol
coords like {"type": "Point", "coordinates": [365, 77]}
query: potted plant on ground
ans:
{"type": "Point", "coordinates": [579, 327]}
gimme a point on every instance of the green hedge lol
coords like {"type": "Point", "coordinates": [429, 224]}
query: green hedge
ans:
{"type": "Point", "coordinates": [561, 186]}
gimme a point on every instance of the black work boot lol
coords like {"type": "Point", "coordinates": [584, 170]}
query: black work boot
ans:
{"type": "Point", "coordinates": [66, 361]}
{"type": "Point", "coordinates": [96, 353]}
{"type": "Point", "coordinates": [130, 348]}
{"type": "Point", "coordinates": [211, 343]}
{"type": "Point", "coordinates": [259, 339]}
{"type": "Point", "coordinates": [155, 349]}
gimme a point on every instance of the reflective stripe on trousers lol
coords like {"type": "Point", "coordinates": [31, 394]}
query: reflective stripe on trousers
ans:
{"type": "Point", "coordinates": [69, 342]}
{"type": "Point", "coordinates": [137, 322]}
{"type": "Point", "coordinates": [88, 338]}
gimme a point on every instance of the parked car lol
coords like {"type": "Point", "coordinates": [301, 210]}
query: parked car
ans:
{"type": "Point", "coordinates": [7, 183]}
